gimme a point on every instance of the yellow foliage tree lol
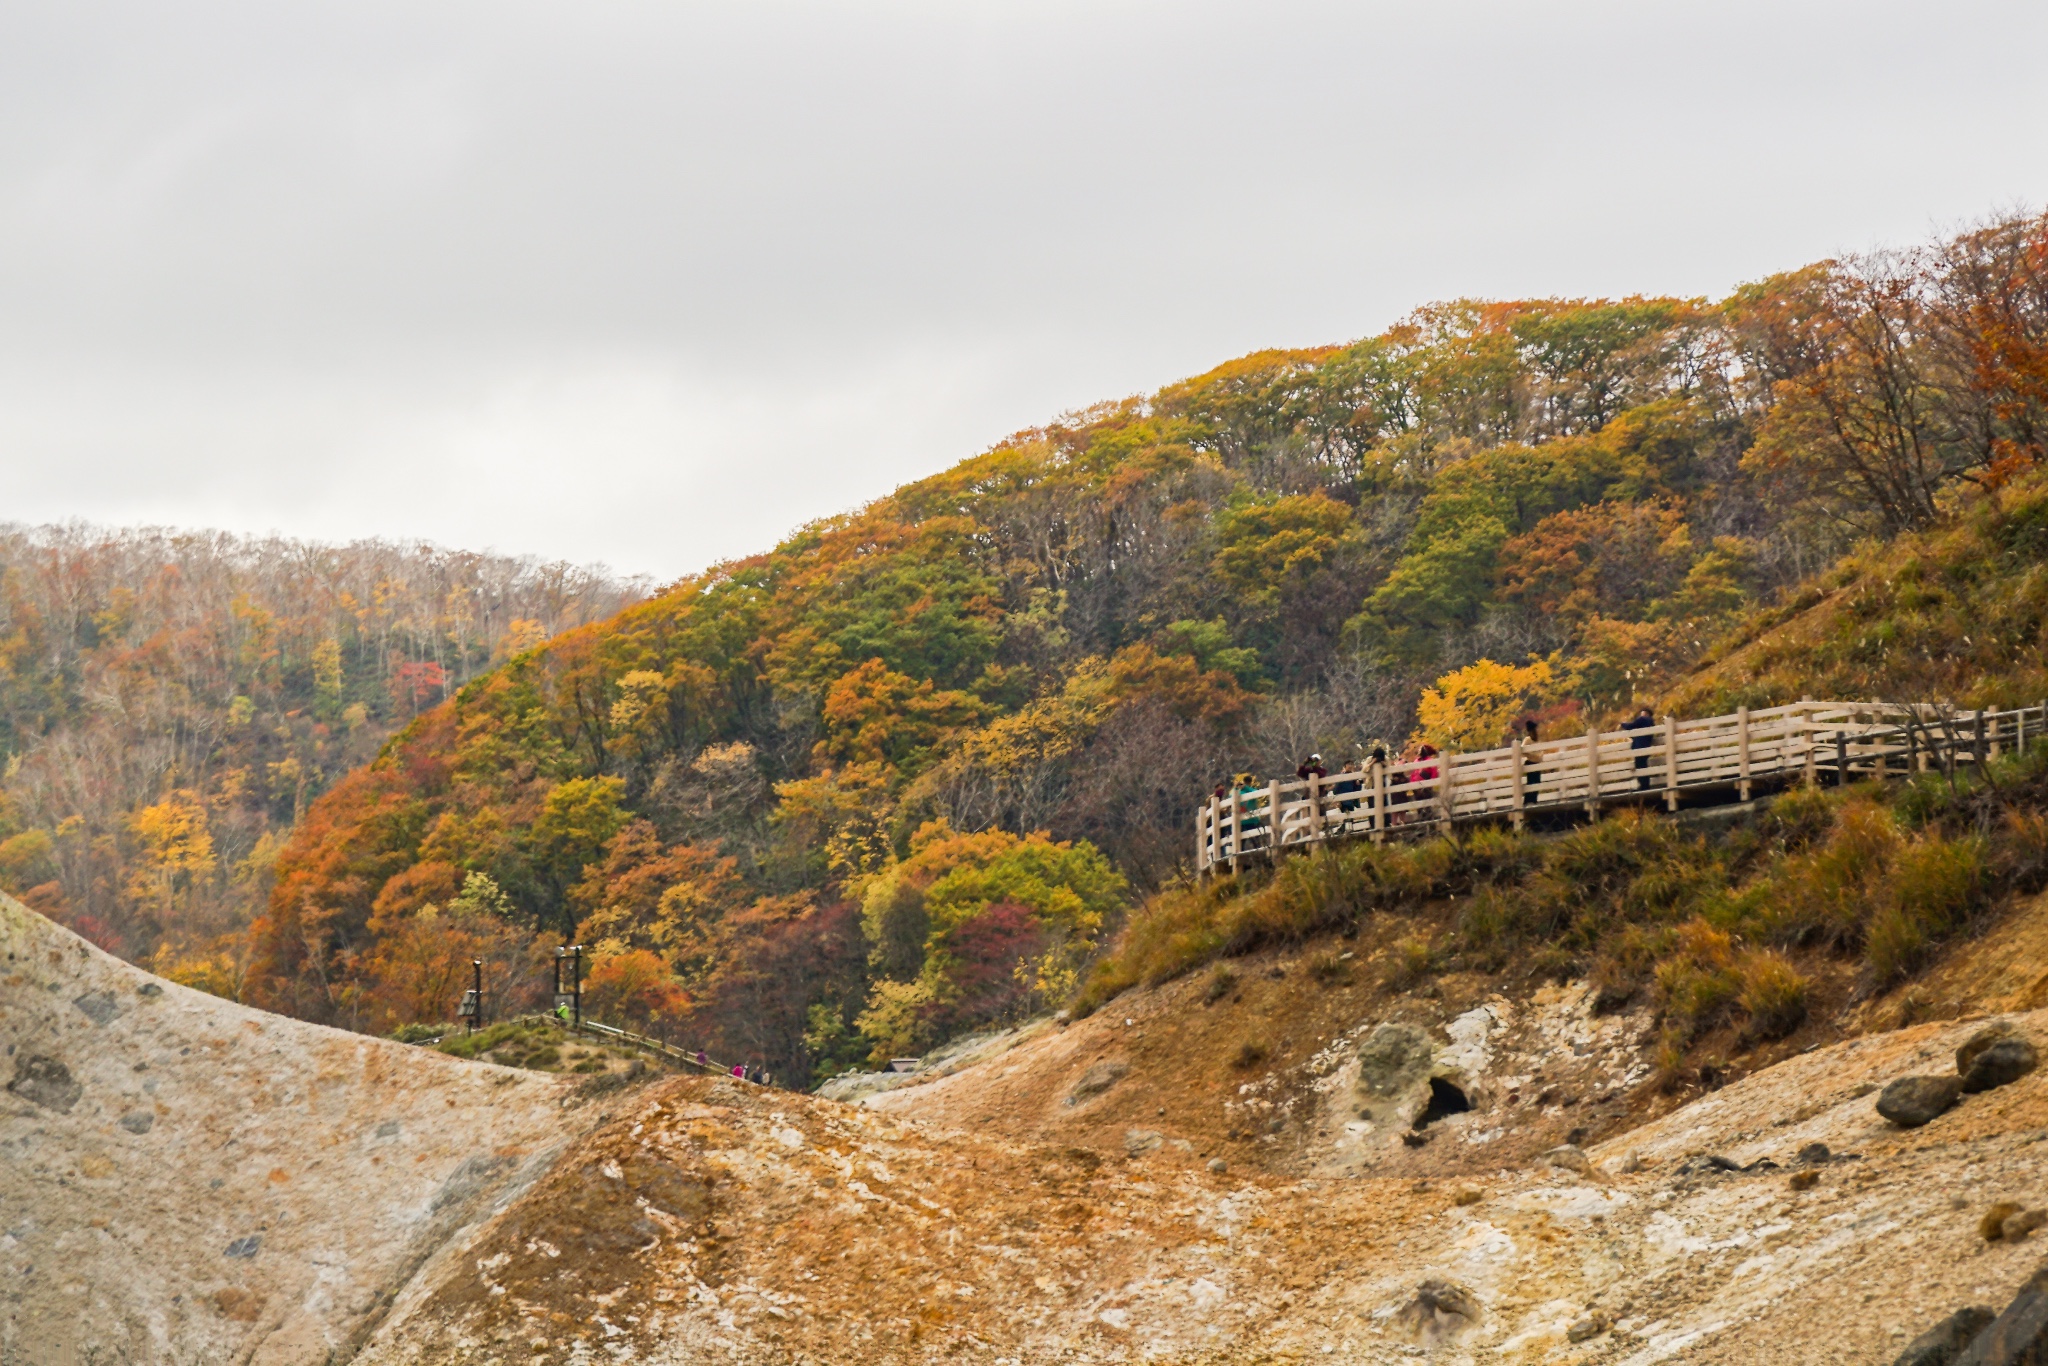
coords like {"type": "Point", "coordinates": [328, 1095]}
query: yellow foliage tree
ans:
{"type": "Point", "coordinates": [177, 847]}
{"type": "Point", "coordinates": [1473, 707]}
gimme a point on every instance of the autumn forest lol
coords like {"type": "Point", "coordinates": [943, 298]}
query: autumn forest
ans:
{"type": "Point", "coordinates": [905, 774]}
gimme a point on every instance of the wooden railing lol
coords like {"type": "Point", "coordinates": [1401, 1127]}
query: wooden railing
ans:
{"type": "Point", "coordinates": [1725, 757]}
{"type": "Point", "coordinates": [661, 1048]}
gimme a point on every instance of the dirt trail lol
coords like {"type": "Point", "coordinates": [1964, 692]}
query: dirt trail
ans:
{"type": "Point", "coordinates": [186, 1180]}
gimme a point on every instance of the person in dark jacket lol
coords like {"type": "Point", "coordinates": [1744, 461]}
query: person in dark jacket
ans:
{"type": "Point", "coordinates": [1346, 787]}
{"type": "Point", "coordinates": [1312, 764]}
{"type": "Point", "coordinates": [1641, 723]}
{"type": "Point", "coordinates": [1530, 776]}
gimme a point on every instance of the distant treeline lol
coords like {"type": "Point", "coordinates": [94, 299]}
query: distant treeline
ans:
{"type": "Point", "coordinates": [171, 701]}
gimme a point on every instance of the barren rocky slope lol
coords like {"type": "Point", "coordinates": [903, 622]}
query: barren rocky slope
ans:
{"type": "Point", "coordinates": [186, 1180]}
{"type": "Point", "coordinates": [1060, 1201]}
{"type": "Point", "coordinates": [1036, 1206]}
{"type": "Point", "coordinates": [714, 1222]}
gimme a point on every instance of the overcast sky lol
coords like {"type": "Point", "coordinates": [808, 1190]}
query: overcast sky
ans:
{"type": "Point", "coordinates": [655, 282]}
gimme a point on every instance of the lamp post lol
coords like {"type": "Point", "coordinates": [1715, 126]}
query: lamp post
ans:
{"type": "Point", "coordinates": [472, 1008]}
{"type": "Point", "coordinates": [572, 954]}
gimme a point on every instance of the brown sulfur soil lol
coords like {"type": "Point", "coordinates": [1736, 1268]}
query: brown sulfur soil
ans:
{"type": "Point", "coordinates": [301, 1195]}
{"type": "Point", "coordinates": [832, 1233]}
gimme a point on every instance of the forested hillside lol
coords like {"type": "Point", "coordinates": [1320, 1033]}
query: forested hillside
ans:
{"type": "Point", "coordinates": [170, 703]}
{"type": "Point", "coordinates": [902, 774]}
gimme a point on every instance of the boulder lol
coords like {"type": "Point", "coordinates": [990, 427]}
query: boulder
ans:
{"type": "Point", "coordinates": [1939, 1345]}
{"type": "Point", "coordinates": [1587, 1328]}
{"type": "Point", "coordinates": [1393, 1073]}
{"type": "Point", "coordinates": [1813, 1155]}
{"type": "Point", "coordinates": [1569, 1158]}
{"type": "Point", "coordinates": [1997, 1032]}
{"type": "Point", "coordinates": [2017, 1337]}
{"type": "Point", "coordinates": [45, 1081]}
{"type": "Point", "coordinates": [1097, 1079]}
{"type": "Point", "coordinates": [1911, 1102]}
{"type": "Point", "coordinates": [1440, 1310]}
{"type": "Point", "coordinates": [1992, 1226]}
{"type": "Point", "coordinates": [1702, 1164]}
{"type": "Point", "coordinates": [2001, 1064]}
{"type": "Point", "coordinates": [2017, 1226]}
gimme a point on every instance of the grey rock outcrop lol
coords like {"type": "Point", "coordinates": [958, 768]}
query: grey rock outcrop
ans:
{"type": "Point", "coordinates": [1997, 1032]}
{"type": "Point", "coordinates": [1940, 1345]}
{"type": "Point", "coordinates": [2000, 1064]}
{"type": "Point", "coordinates": [45, 1081]}
{"type": "Point", "coordinates": [1393, 1067]}
{"type": "Point", "coordinates": [1569, 1158]}
{"type": "Point", "coordinates": [1911, 1102]}
{"type": "Point", "coordinates": [2017, 1337]}
{"type": "Point", "coordinates": [1098, 1079]}
{"type": "Point", "coordinates": [1439, 1311]}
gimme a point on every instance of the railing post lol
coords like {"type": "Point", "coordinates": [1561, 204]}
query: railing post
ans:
{"type": "Point", "coordinates": [1592, 770]}
{"type": "Point", "coordinates": [1515, 776]}
{"type": "Point", "coordinates": [1841, 758]}
{"type": "Point", "coordinates": [1316, 830]}
{"type": "Point", "coordinates": [1273, 820]}
{"type": "Point", "coordinates": [1236, 827]}
{"type": "Point", "coordinates": [1806, 738]}
{"type": "Point", "coordinates": [1443, 790]}
{"type": "Point", "coordinates": [1379, 802]}
{"type": "Point", "coordinates": [1204, 816]}
{"type": "Point", "coordinates": [1742, 752]}
{"type": "Point", "coordinates": [1670, 763]}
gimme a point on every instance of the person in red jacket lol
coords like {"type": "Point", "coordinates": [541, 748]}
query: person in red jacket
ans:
{"type": "Point", "coordinates": [1426, 777]}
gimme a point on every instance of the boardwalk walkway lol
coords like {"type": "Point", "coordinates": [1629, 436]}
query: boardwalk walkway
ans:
{"type": "Point", "coordinates": [1710, 762]}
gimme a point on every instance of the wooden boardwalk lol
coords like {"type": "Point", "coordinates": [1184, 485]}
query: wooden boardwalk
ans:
{"type": "Point", "coordinates": [1714, 761]}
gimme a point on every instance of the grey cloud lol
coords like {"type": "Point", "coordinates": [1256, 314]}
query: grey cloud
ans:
{"type": "Point", "coordinates": [653, 282]}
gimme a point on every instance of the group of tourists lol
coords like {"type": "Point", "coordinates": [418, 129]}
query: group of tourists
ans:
{"type": "Point", "coordinates": [1411, 780]}
{"type": "Point", "coordinates": [740, 1070]}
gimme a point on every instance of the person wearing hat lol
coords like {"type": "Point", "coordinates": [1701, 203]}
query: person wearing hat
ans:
{"type": "Point", "coordinates": [1312, 764]}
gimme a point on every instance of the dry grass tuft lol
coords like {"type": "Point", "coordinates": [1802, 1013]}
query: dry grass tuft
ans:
{"type": "Point", "coordinates": [1329, 968]}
